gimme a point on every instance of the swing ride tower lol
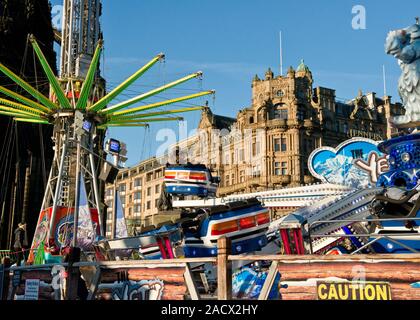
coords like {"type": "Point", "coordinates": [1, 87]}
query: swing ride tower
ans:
{"type": "Point", "coordinates": [80, 111]}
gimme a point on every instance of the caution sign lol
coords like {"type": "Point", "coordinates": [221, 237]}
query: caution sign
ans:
{"type": "Point", "coordinates": [353, 290]}
{"type": "Point", "coordinates": [31, 289]}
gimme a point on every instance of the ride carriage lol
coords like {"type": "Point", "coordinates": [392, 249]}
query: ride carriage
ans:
{"type": "Point", "coordinates": [190, 180]}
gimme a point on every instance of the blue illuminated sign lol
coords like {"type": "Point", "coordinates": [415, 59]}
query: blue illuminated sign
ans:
{"type": "Point", "coordinates": [355, 163]}
{"type": "Point", "coordinates": [114, 146]}
{"type": "Point", "coordinates": [87, 126]}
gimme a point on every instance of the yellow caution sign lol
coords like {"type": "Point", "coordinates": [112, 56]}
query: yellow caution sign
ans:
{"type": "Point", "coordinates": [353, 290]}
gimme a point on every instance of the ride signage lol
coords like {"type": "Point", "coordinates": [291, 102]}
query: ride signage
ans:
{"type": "Point", "coordinates": [355, 163]}
{"type": "Point", "coordinates": [353, 290]}
{"type": "Point", "coordinates": [32, 289]}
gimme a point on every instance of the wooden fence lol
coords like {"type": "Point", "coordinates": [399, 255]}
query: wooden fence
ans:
{"type": "Point", "coordinates": [173, 280]}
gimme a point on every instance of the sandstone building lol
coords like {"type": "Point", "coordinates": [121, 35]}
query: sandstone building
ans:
{"type": "Point", "coordinates": [268, 144]}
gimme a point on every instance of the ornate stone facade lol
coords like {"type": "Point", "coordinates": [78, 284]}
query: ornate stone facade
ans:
{"type": "Point", "coordinates": [286, 121]}
{"type": "Point", "coordinates": [267, 145]}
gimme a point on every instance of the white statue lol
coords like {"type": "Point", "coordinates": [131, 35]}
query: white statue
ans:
{"type": "Point", "coordinates": [405, 46]}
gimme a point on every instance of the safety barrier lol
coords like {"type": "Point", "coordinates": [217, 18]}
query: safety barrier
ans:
{"type": "Point", "coordinates": [306, 277]}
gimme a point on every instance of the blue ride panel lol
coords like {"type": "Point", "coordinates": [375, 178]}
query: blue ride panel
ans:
{"type": "Point", "coordinates": [404, 161]}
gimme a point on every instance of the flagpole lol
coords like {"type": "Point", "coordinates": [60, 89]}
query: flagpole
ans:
{"type": "Point", "coordinates": [281, 54]}
{"type": "Point", "coordinates": [384, 77]}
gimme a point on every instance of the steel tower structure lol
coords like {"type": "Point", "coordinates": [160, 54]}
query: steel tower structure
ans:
{"type": "Point", "coordinates": [78, 109]}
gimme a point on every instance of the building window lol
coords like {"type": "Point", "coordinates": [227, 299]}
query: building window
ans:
{"type": "Point", "coordinates": [276, 144]}
{"type": "Point", "coordinates": [256, 171]}
{"type": "Point", "coordinates": [281, 114]}
{"type": "Point", "coordinates": [122, 200]}
{"type": "Point", "coordinates": [227, 158]}
{"type": "Point", "coordinates": [157, 188]}
{"type": "Point", "coordinates": [149, 176]}
{"type": "Point", "coordinates": [283, 145]}
{"type": "Point", "coordinates": [156, 203]}
{"type": "Point", "coordinates": [122, 187]}
{"type": "Point", "coordinates": [227, 180]}
{"type": "Point", "coordinates": [109, 192]}
{"type": "Point", "coordinates": [242, 176]}
{"type": "Point", "coordinates": [129, 212]}
{"type": "Point", "coordinates": [149, 191]}
{"type": "Point", "coordinates": [284, 168]}
{"type": "Point", "coordinates": [158, 174]}
{"type": "Point", "coordinates": [148, 205]}
{"type": "Point", "coordinates": [130, 198]}
{"type": "Point", "coordinates": [137, 182]}
{"type": "Point", "coordinates": [256, 148]}
{"type": "Point", "coordinates": [277, 168]}
{"type": "Point", "coordinates": [137, 195]}
{"type": "Point", "coordinates": [137, 208]}
{"type": "Point", "coordinates": [280, 145]}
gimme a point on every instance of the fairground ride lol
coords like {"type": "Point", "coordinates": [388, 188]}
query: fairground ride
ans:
{"type": "Point", "coordinates": [80, 111]}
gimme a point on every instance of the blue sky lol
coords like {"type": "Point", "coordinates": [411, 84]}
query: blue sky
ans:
{"type": "Point", "coordinates": [231, 41]}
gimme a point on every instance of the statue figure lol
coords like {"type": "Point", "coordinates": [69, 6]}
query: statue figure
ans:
{"type": "Point", "coordinates": [404, 45]}
{"type": "Point", "coordinates": [165, 200]}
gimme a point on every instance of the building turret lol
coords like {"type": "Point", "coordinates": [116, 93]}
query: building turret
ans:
{"type": "Point", "coordinates": [291, 72]}
{"type": "Point", "coordinates": [303, 71]}
{"type": "Point", "coordinates": [269, 75]}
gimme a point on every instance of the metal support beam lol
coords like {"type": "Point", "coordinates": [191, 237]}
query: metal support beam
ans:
{"type": "Point", "coordinates": [77, 195]}
{"type": "Point", "coordinates": [58, 186]}
{"type": "Point", "coordinates": [96, 191]}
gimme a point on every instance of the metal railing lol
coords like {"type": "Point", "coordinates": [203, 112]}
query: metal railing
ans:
{"type": "Point", "coordinates": [8, 254]}
{"type": "Point", "coordinates": [389, 236]}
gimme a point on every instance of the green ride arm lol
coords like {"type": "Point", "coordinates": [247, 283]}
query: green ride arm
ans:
{"type": "Point", "coordinates": [61, 96]}
{"type": "Point", "coordinates": [23, 99]}
{"type": "Point", "coordinates": [88, 83]}
{"type": "Point", "coordinates": [151, 93]}
{"type": "Point", "coordinates": [162, 103]}
{"type": "Point", "coordinates": [28, 88]}
{"type": "Point", "coordinates": [110, 96]}
{"type": "Point", "coordinates": [153, 114]}
{"type": "Point", "coordinates": [20, 106]}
